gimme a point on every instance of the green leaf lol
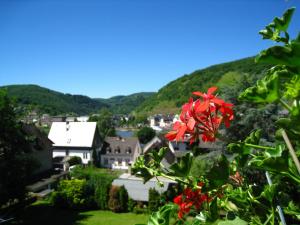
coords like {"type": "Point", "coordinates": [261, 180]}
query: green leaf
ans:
{"type": "Point", "coordinates": [271, 164]}
{"type": "Point", "coordinates": [288, 55]}
{"type": "Point", "coordinates": [183, 167]}
{"type": "Point", "coordinates": [274, 29]}
{"type": "Point", "coordinates": [219, 173]}
{"type": "Point", "coordinates": [236, 221]}
{"type": "Point", "coordinates": [277, 152]}
{"type": "Point", "coordinates": [162, 217]}
{"type": "Point", "coordinates": [293, 210]}
{"type": "Point", "coordinates": [214, 214]}
{"type": "Point", "coordinates": [266, 90]}
{"type": "Point", "coordinates": [269, 192]}
{"type": "Point", "coordinates": [254, 137]}
{"type": "Point", "coordinates": [140, 170]}
{"type": "Point", "coordinates": [293, 88]}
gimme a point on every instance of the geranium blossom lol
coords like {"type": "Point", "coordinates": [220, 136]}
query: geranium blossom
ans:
{"type": "Point", "coordinates": [190, 199]}
{"type": "Point", "coordinates": [202, 118]}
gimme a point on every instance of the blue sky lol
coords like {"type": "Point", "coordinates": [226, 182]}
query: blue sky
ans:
{"type": "Point", "coordinates": [103, 48]}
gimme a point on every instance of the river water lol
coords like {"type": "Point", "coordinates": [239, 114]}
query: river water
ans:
{"type": "Point", "coordinates": [124, 133]}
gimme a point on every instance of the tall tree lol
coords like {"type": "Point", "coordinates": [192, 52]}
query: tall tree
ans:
{"type": "Point", "coordinates": [146, 134]}
{"type": "Point", "coordinates": [15, 165]}
{"type": "Point", "coordinates": [104, 122]}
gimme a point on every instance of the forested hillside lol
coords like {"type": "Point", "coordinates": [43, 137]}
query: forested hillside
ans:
{"type": "Point", "coordinates": [232, 75]}
{"type": "Point", "coordinates": [53, 102]}
{"type": "Point", "coordinates": [125, 104]}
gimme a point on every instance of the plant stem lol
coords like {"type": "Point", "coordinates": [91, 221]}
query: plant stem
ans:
{"type": "Point", "coordinates": [291, 150]}
{"type": "Point", "coordinates": [268, 219]}
{"type": "Point", "coordinates": [259, 146]}
{"type": "Point", "coordinates": [285, 105]}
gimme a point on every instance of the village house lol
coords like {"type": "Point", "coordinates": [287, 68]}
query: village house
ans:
{"type": "Point", "coordinates": [155, 145]}
{"type": "Point", "coordinates": [75, 139]}
{"type": "Point", "coordinates": [120, 153]}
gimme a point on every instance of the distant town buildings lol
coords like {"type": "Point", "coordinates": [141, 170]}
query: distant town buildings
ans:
{"type": "Point", "coordinates": [161, 122]}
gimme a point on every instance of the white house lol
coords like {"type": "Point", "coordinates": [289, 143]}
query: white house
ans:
{"type": "Point", "coordinates": [75, 139]}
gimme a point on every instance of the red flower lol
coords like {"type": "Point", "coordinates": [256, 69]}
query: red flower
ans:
{"type": "Point", "coordinates": [190, 199]}
{"type": "Point", "coordinates": [202, 118]}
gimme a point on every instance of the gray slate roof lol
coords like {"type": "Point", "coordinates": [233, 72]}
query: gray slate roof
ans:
{"type": "Point", "coordinates": [120, 146]}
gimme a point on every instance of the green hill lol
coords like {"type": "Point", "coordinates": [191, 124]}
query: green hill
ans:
{"type": "Point", "coordinates": [52, 102]}
{"type": "Point", "coordinates": [231, 75]}
{"type": "Point", "coordinates": [125, 104]}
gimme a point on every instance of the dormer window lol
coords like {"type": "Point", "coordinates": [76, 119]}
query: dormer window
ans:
{"type": "Point", "coordinates": [108, 149]}
{"type": "Point", "coordinates": [128, 150]}
{"type": "Point", "coordinates": [117, 150]}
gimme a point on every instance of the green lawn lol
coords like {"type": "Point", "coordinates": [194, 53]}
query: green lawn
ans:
{"type": "Point", "coordinates": [44, 214]}
{"type": "Point", "coordinates": [110, 218]}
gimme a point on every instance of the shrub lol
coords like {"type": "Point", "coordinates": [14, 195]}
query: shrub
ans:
{"type": "Point", "coordinates": [101, 195]}
{"type": "Point", "coordinates": [146, 134]}
{"type": "Point", "coordinates": [123, 198]}
{"type": "Point", "coordinates": [154, 200]}
{"type": "Point", "coordinates": [72, 194]}
{"type": "Point", "coordinates": [75, 160]}
{"type": "Point", "coordinates": [140, 208]}
{"type": "Point", "coordinates": [131, 204]}
{"type": "Point", "coordinates": [118, 198]}
{"type": "Point", "coordinates": [98, 183]}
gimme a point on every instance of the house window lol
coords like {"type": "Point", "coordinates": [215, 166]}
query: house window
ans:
{"type": "Point", "coordinates": [85, 155]}
{"type": "Point", "coordinates": [118, 150]}
{"type": "Point", "coordinates": [128, 150]}
{"type": "Point", "coordinates": [108, 150]}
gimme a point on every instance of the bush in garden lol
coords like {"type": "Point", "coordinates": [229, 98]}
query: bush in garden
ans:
{"type": "Point", "coordinates": [102, 195]}
{"type": "Point", "coordinates": [123, 198]}
{"type": "Point", "coordinates": [75, 160]}
{"type": "Point", "coordinates": [113, 202]}
{"type": "Point", "coordinates": [72, 194]}
{"type": "Point", "coordinates": [98, 181]}
{"type": "Point", "coordinates": [118, 198]}
{"type": "Point", "coordinates": [154, 200]}
{"type": "Point", "coordinates": [140, 208]}
{"type": "Point", "coordinates": [222, 193]}
{"type": "Point", "coordinates": [131, 205]}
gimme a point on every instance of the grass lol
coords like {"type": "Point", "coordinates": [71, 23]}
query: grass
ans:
{"type": "Point", "coordinates": [42, 213]}
{"type": "Point", "coordinates": [110, 218]}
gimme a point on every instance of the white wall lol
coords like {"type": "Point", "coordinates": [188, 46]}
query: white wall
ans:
{"type": "Point", "coordinates": [80, 154]}
{"type": "Point", "coordinates": [57, 152]}
{"type": "Point", "coordinates": [74, 152]}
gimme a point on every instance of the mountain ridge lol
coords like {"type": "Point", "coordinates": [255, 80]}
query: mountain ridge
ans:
{"type": "Point", "coordinates": [54, 102]}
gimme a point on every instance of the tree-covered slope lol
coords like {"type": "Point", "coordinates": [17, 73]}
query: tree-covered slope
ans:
{"type": "Point", "coordinates": [49, 101]}
{"type": "Point", "coordinates": [122, 104]}
{"type": "Point", "coordinates": [227, 75]}
{"type": "Point", "coordinates": [54, 103]}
